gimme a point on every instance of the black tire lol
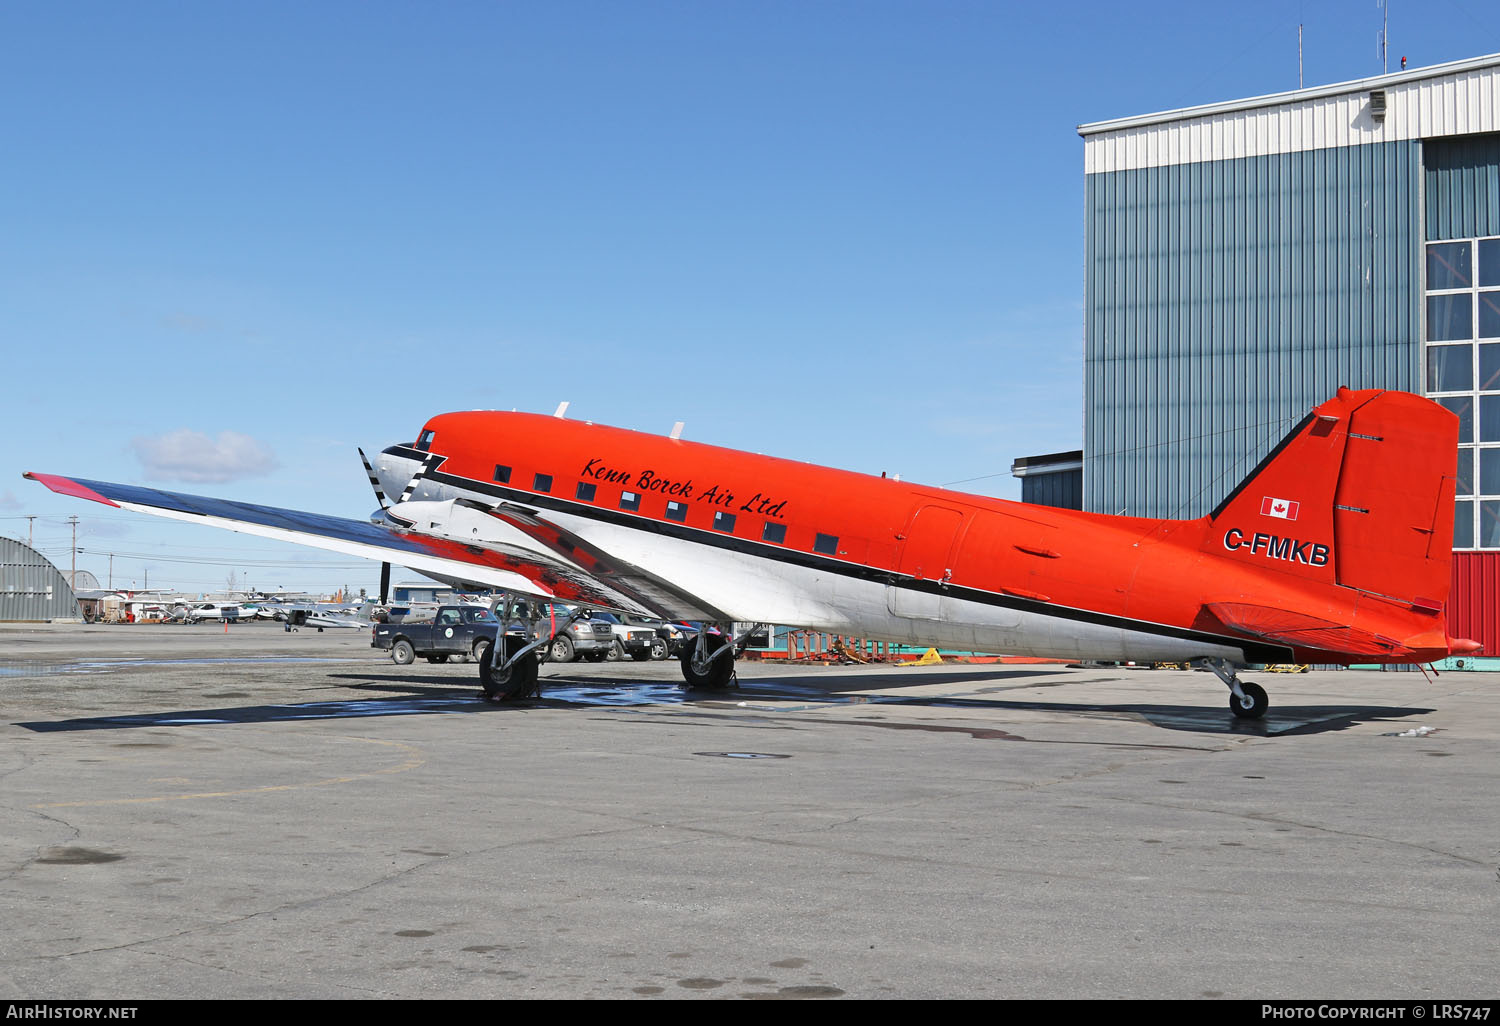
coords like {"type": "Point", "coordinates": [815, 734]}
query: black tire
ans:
{"type": "Point", "coordinates": [480, 650]}
{"type": "Point", "coordinates": [562, 650]}
{"type": "Point", "coordinates": [1255, 704]}
{"type": "Point", "coordinates": [659, 648]}
{"type": "Point", "coordinates": [402, 654]}
{"type": "Point", "coordinates": [716, 676]}
{"type": "Point", "coordinates": [520, 681]}
{"type": "Point", "coordinates": [616, 651]}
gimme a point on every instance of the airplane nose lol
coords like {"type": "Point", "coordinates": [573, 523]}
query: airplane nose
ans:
{"type": "Point", "coordinates": [394, 471]}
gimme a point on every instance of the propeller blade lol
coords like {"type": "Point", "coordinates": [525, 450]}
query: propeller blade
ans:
{"type": "Point", "coordinates": [374, 483]}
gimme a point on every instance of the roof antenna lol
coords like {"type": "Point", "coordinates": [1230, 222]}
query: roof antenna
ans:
{"type": "Point", "coordinates": [677, 429]}
{"type": "Point", "coordinates": [562, 410]}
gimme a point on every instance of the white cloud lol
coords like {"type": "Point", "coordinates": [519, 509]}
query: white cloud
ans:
{"type": "Point", "coordinates": [186, 455]}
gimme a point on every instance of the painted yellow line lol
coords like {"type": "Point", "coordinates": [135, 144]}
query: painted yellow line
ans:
{"type": "Point", "coordinates": [414, 759]}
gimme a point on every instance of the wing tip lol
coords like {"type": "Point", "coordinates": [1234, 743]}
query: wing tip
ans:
{"type": "Point", "coordinates": [67, 486]}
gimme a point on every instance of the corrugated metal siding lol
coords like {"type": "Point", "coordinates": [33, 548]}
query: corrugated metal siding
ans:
{"type": "Point", "coordinates": [1063, 489]}
{"type": "Point", "coordinates": [1225, 299]}
{"type": "Point", "coordinates": [1474, 601]}
{"type": "Point", "coordinates": [31, 589]}
{"type": "Point", "coordinates": [1418, 106]}
{"type": "Point", "coordinates": [1462, 186]}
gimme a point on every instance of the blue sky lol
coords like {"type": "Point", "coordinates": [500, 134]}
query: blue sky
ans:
{"type": "Point", "coordinates": [238, 240]}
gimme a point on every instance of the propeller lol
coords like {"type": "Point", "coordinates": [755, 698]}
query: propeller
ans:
{"type": "Point", "coordinates": [374, 481]}
{"type": "Point", "coordinates": [385, 568]}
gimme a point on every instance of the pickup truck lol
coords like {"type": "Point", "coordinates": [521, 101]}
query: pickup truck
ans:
{"type": "Point", "coordinates": [454, 632]}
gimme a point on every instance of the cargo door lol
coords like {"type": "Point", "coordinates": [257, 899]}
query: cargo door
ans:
{"type": "Point", "coordinates": [925, 553]}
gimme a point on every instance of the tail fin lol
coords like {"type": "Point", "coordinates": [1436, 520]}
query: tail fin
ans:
{"type": "Point", "coordinates": [1360, 494]}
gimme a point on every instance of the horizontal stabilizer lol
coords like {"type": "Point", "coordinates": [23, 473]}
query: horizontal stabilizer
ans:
{"type": "Point", "coordinates": [1302, 630]}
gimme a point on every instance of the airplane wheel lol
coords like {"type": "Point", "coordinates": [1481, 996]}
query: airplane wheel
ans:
{"type": "Point", "coordinates": [562, 649]}
{"type": "Point", "coordinates": [659, 649]}
{"type": "Point", "coordinates": [616, 652]}
{"type": "Point", "coordinates": [714, 677]}
{"type": "Point", "coordinates": [1253, 706]}
{"type": "Point", "coordinates": [402, 654]}
{"type": "Point", "coordinates": [520, 681]}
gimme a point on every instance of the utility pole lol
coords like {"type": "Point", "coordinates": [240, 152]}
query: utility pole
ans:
{"type": "Point", "coordinates": [73, 578]}
{"type": "Point", "coordinates": [30, 523]}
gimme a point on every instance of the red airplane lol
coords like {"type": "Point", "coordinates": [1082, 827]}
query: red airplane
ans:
{"type": "Point", "coordinates": [1335, 549]}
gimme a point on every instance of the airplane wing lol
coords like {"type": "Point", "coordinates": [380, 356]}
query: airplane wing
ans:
{"type": "Point", "coordinates": [569, 570]}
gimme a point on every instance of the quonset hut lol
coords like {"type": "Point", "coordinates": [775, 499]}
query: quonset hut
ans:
{"type": "Point", "coordinates": [31, 588]}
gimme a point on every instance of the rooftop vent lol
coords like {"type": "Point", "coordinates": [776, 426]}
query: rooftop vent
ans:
{"type": "Point", "coordinates": [1377, 105]}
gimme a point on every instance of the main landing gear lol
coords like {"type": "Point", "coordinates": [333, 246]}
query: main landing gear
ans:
{"type": "Point", "coordinates": [515, 675]}
{"type": "Point", "coordinates": [1247, 701]}
{"type": "Point", "coordinates": [708, 661]}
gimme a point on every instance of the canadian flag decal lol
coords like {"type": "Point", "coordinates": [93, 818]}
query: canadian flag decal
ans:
{"type": "Point", "coordinates": [1286, 509]}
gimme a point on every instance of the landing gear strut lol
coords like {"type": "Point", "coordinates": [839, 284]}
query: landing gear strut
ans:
{"type": "Point", "coordinates": [1246, 700]}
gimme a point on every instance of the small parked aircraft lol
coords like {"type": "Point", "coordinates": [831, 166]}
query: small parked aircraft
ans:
{"type": "Point", "coordinates": [1335, 549]}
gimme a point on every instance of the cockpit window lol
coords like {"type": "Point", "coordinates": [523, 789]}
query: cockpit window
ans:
{"type": "Point", "coordinates": [425, 441]}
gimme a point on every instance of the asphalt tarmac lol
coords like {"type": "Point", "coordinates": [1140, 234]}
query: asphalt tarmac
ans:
{"type": "Point", "coordinates": [187, 812]}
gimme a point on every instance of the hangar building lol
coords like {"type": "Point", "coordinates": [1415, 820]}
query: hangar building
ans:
{"type": "Point", "coordinates": [1245, 259]}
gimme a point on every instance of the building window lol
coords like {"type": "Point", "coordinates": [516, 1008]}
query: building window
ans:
{"type": "Point", "coordinates": [630, 500]}
{"type": "Point", "coordinates": [502, 474]}
{"type": "Point", "coordinates": [677, 511]}
{"type": "Point", "coordinates": [773, 532]}
{"type": "Point", "coordinates": [542, 483]}
{"type": "Point", "coordinates": [724, 522]}
{"type": "Point", "coordinates": [586, 491]}
{"type": "Point", "coordinates": [827, 544]}
{"type": "Point", "coordinates": [1462, 365]}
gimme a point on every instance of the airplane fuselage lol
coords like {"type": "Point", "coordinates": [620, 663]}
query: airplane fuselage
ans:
{"type": "Point", "coordinates": [756, 538]}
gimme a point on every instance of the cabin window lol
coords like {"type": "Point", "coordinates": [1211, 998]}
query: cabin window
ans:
{"type": "Point", "coordinates": [773, 532]}
{"type": "Point", "coordinates": [542, 483]}
{"type": "Point", "coordinates": [630, 500]}
{"type": "Point", "coordinates": [586, 491]}
{"type": "Point", "coordinates": [425, 441]}
{"type": "Point", "coordinates": [827, 544]}
{"type": "Point", "coordinates": [677, 511]}
{"type": "Point", "coordinates": [502, 474]}
{"type": "Point", "coordinates": [724, 522]}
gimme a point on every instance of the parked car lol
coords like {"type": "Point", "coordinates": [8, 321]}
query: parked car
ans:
{"type": "Point", "coordinates": [456, 632]}
{"type": "Point", "coordinates": [638, 640]}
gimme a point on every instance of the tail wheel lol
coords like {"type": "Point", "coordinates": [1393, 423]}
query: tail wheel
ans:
{"type": "Point", "coordinates": [1253, 706]}
{"type": "Point", "coordinates": [713, 675]}
{"type": "Point", "coordinates": [519, 681]}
